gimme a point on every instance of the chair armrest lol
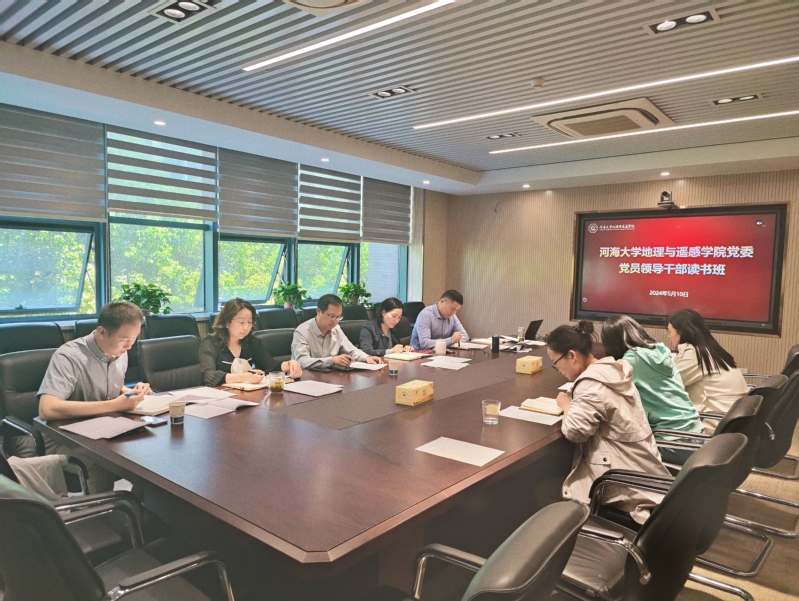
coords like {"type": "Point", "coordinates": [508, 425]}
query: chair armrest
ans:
{"type": "Point", "coordinates": [684, 434]}
{"type": "Point", "coordinates": [640, 475]}
{"type": "Point", "coordinates": [673, 444]}
{"type": "Point", "coordinates": [711, 415]}
{"type": "Point", "coordinates": [444, 553]}
{"type": "Point", "coordinates": [757, 376]}
{"type": "Point", "coordinates": [21, 428]}
{"type": "Point", "coordinates": [617, 538]}
{"type": "Point", "coordinates": [75, 466]}
{"type": "Point", "coordinates": [93, 509]}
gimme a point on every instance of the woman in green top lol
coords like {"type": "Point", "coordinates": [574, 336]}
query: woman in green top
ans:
{"type": "Point", "coordinates": [662, 392]}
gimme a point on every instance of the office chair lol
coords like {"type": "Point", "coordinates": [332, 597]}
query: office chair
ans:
{"type": "Point", "coordinates": [352, 330]}
{"type": "Point", "coordinates": [211, 320]}
{"type": "Point", "coordinates": [354, 312]}
{"type": "Point", "coordinates": [307, 313]}
{"type": "Point", "coordinates": [277, 342]}
{"type": "Point", "coordinates": [53, 566]}
{"type": "Point", "coordinates": [84, 327]}
{"type": "Point", "coordinates": [525, 567]}
{"type": "Point", "coordinates": [614, 563]}
{"type": "Point", "coordinates": [171, 363]}
{"type": "Point", "coordinates": [29, 336]}
{"type": "Point", "coordinates": [403, 331]}
{"type": "Point", "coordinates": [172, 324]}
{"type": "Point", "coordinates": [411, 310]}
{"type": "Point", "coordinates": [790, 367]}
{"type": "Point", "coordinates": [275, 319]}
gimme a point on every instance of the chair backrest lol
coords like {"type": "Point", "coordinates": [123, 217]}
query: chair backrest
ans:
{"type": "Point", "coordinates": [173, 324]}
{"type": "Point", "coordinates": [529, 563]}
{"type": "Point", "coordinates": [745, 417]}
{"type": "Point", "coordinates": [21, 375]}
{"type": "Point", "coordinates": [171, 363]}
{"type": "Point", "coordinates": [792, 362]}
{"type": "Point", "coordinates": [84, 327]}
{"type": "Point", "coordinates": [353, 312]}
{"type": "Point", "coordinates": [403, 329]}
{"type": "Point", "coordinates": [211, 320]}
{"type": "Point", "coordinates": [29, 336]}
{"type": "Point", "coordinates": [352, 330]}
{"type": "Point", "coordinates": [277, 342]}
{"type": "Point", "coordinates": [411, 310]}
{"type": "Point", "coordinates": [307, 313]}
{"type": "Point", "coordinates": [52, 565]}
{"type": "Point", "coordinates": [689, 516]}
{"type": "Point", "coordinates": [782, 423]}
{"type": "Point", "coordinates": [275, 319]}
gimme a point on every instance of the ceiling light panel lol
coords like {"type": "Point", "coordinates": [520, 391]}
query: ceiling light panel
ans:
{"type": "Point", "coordinates": [184, 11]}
{"type": "Point", "coordinates": [393, 92]}
{"type": "Point", "coordinates": [736, 99]}
{"type": "Point", "coordinates": [502, 136]}
{"type": "Point", "coordinates": [682, 23]}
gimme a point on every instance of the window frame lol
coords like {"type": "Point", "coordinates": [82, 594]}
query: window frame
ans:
{"type": "Point", "coordinates": [350, 260]}
{"type": "Point", "coordinates": [283, 254]}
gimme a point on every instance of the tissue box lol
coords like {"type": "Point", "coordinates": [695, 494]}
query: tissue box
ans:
{"type": "Point", "coordinates": [414, 393]}
{"type": "Point", "coordinates": [529, 365]}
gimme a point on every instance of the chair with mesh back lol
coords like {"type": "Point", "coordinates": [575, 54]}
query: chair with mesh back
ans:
{"type": "Point", "coordinates": [29, 336]}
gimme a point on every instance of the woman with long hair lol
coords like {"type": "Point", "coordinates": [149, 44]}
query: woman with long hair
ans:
{"type": "Point", "coordinates": [604, 417]}
{"type": "Point", "coordinates": [378, 337]}
{"type": "Point", "coordinates": [227, 354]}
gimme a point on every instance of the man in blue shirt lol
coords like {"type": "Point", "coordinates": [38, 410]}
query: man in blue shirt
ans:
{"type": "Point", "coordinates": [439, 322]}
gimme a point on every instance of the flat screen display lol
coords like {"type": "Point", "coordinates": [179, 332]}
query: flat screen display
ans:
{"type": "Point", "coordinates": [724, 262]}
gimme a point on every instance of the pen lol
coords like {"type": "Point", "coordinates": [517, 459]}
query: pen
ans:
{"type": "Point", "coordinates": [129, 394]}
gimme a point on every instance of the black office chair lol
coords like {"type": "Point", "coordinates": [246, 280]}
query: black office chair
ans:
{"type": "Point", "coordinates": [29, 336]}
{"type": "Point", "coordinates": [53, 565]}
{"type": "Point", "coordinates": [211, 320]}
{"type": "Point", "coordinates": [411, 310]}
{"type": "Point", "coordinates": [307, 313]}
{"type": "Point", "coordinates": [84, 327]}
{"type": "Point", "coordinates": [614, 563]}
{"type": "Point", "coordinates": [352, 330]}
{"type": "Point", "coordinates": [173, 324]}
{"type": "Point", "coordinates": [277, 342]}
{"type": "Point", "coordinates": [171, 363]}
{"type": "Point", "coordinates": [276, 319]}
{"type": "Point", "coordinates": [403, 331]}
{"type": "Point", "coordinates": [354, 312]}
{"type": "Point", "coordinates": [525, 567]}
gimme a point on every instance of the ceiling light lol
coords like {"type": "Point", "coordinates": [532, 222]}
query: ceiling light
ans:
{"type": "Point", "coordinates": [390, 92]}
{"type": "Point", "coordinates": [650, 131]}
{"type": "Point", "coordinates": [624, 90]}
{"type": "Point", "coordinates": [494, 137]}
{"type": "Point", "coordinates": [747, 97]}
{"type": "Point", "coordinates": [160, 122]}
{"type": "Point", "coordinates": [174, 13]}
{"type": "Point", "coordinates": [350, 34]}
{"type": "Point", "coordinates": [398, 90]}
{"type": "Point", "coordinates": [190, 6]}
{"type": "Point", "coordinates": [666, 25]}
{"type": "Point", "coordinates": [427, 181]}
{"type": "Point", "coordinates": [732, 99]}
{"type": "Point", "coordinates": [665, 173]}
{"type": "Point", "coordinates": [501, 136]}
{"type": "Point", "coordinates": [325, 160]}
{"type": "Point", "coordinates": [525, 185]}
{"type": "Point", "coordinates": [383, 94]}
{"type": "Point", "coordinates": [694, 19]}
{"type": "Point", "coordinates": [709, 16]}
{"type": "Point", "coordinates": [724, 101]}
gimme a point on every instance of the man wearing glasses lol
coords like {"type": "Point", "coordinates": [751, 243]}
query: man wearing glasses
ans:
{"type": "Point", "coordinates": [440, 322]}
{"type": "Point", "coordinates": [320, 343]}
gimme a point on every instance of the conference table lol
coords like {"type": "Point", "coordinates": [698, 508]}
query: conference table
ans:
{"type": "Point", "coordinates": [328, 497]}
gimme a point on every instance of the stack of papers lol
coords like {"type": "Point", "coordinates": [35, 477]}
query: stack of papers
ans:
{"type": "Point", "coordinates": [535, 343]}
{"type": "Point", "coordinates": [466, 452]}
{"type": "Point", "coordinates": [202, 395]}
{"type": "Point", "coordinates": [103, 427]}
{"type": "Point", "coordinates": [405, 356]}
{"type": "Point", "coordinates": [369, 366]}
{"type": "Point", "coordinates": [468, 345]}
{"type": "Point", "coordinates": [312, 388]}
{"type": "Point", "coordinates": [445, 362]}
{"type": "Point", "coordinates": [217, 407]}
{"type": "Point", "coordinates": [530, 416]}
{"type": "Point", "coordinates": [542, 405]}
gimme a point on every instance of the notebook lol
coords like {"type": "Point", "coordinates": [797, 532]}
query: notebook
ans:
{"type": "Point", "coordinates": [405, 356]}
{"type": "Point", "coordinates": [542, 405]}
{"type": "Point", "coordinates": [153, 404]}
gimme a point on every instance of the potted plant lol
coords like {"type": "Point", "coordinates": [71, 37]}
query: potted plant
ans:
{"type": "Point", "coordinates": [291, 295]}
{"type": "Point", "coordinates": [352, 294]}
{"type": "Point", "coordinates": [147, 297]}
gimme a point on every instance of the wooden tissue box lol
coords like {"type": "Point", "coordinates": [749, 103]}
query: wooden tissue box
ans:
{"type": "Point", "coordinates": [529, 365]}
{"type": "Point", "coordinates": [414, 393]}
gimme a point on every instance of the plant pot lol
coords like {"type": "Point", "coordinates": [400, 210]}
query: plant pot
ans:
{"type": "Point", "coordinates": [354, 300]}
{"type": "Point", "coordinates": [287, 305]}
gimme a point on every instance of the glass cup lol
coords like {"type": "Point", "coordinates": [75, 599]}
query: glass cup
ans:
{"type": "Point", "coordinates": [521, 330]}
{"type": "Point", "coordinates": [393, 367]}
{"type": "Point", "coordinates": [177, 412]}
{"type": "Point", "coordinates": [491, 412]}
{"type": "Point", "coordinates": [277, 380]}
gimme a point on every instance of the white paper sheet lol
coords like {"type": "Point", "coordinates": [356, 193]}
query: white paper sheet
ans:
{"type": "Point", "coordinates": [312, 388]}
{"type": "Point", "coordinates": [530, 416]}
{"type": "Point", "coordinates": [535, 343]}
{"type": "Point", "coordinates": [203, 392]}
{"type": "Point", "coordinates": [445, 365]}
{"type": "Point", "coordinates": [469, 345]}
{"type": "Point", "coordinates": [369, 366]}
{"type": "Point", "coordinates": [231, 403]}
{"type": "Point", "coordinates": [466, 452]}
{"type": "Point", "coordinates": [103, 427]}
{"type": "Point", "coordinates": [206, 411]}
{"type": "Point", "coordinates": [567, 387]}
{"type": "Point", "coordinates": [154, 402]}
{"type": "Point", "coordinates": [406, 356]}
{"type": "Point", "coordinates": [450, 359]}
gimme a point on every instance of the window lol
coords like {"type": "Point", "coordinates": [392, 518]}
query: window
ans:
{"type": "Point", "coordinates": [250, 269]}
{"type": "Point", "coordinates": [381, 270]}
{"type": "Point", "coordinates": [47, 270]}
{"type": "Point", "coordinates": [322, 268]}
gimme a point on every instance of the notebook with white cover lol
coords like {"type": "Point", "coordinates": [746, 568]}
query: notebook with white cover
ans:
{"type": "Point", "coordinates": [542, 405]}
{"type": "Point", "coordinates": [406, 356]}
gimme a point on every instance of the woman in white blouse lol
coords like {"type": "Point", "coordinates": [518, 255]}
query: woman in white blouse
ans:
{"type": "Point", "coordinates": [711, 378]}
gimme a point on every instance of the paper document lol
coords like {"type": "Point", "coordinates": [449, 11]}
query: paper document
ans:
{"type": "Point", "coordinates": [153, 404]}
{"type": "Point", "coordinates": [405, 356]}
{"type": "Point", "coordinates": [450, 359]}
{"type": "Point", "coordinates": [201, 393]}
{"type": "Point", "coordinates": [469, 345]}
{"type": "Point", "coordinates": [567, 387]}
{"type": "Point", "coordinates": [473, 454]}
{"type": "Point", "coordinates": [446, 364]}
{"type": "Point", "coordinates": [312, 388]}
{"type": "Point", "coordinates": [486, 341]}
{"type": "Point", "coordinates": [103, 427]}
{"type": "Point", "coordinates": [542, 405]}
{"type": "Point", "coordinates": [231, 404]}
{"type": "Point", "coordinates": [369, 366]}
{"type": "Point", "coordinates": [206, 411]}
{"type": "Point", "coordinates": [535, 343]}
{"type": "Point", "coordinates": [530, 416]}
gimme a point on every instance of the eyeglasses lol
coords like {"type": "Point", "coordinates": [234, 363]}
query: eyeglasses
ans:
{"type": "Point", "coordinates": [240, 323]}
{"type": "Point", "coordinates": [555, 363]}
{"type": "Point", "coordinates": [334, 317]}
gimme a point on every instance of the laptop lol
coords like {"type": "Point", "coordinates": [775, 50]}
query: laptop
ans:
{"type": "Point", "coordinates": [532, 329]}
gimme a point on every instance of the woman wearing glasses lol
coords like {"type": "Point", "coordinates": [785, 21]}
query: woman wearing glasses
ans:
{"type": "Point", "coordinates": [226, 355]}
{"type": "Point", "coordinates": [378, 337]}
{"type": "Point", "coordinates": [604, 417]}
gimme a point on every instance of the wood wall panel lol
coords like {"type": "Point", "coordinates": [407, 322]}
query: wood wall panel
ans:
{"type": "Point", "coordinates": [435, 246]}
{"type": "Point", "coordinates": [511, 255]}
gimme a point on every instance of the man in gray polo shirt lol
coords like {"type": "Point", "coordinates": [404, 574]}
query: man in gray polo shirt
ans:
{"type": "Point", "coordinates": [320, 342]}
{"type": "Point", "coordinates": [86, 377]}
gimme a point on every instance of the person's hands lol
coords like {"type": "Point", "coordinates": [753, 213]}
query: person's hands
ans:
{"type": "Point", "coordinates": [456, 337]}
{"type": "Point", "coordinates": [128, 403]}
{"type": "Point", "coordinates": [563, 400]}
{"type": "Point", "coordinates": [342, 360]}
{"type": "Point", "coordinates": [396, 349]}
{"type": "Point", "coordinates": [374, 360]}
{"type": "Point", "coordinates": [408, 349]}
{"type": "Point", "coordinates": [142, 388]}
{"type": "Point", "coordinates": [295, 370]}
{"type": "Point", "coordinates": [253, 378]}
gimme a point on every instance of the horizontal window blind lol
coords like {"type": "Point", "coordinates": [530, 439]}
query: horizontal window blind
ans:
{"type": "Point", "coordinates": [330, 205]}
{"type": "Point", "coordinates": [386, 212]}
{"type": "Point", "coordinates": [154, 175]}
{"type": "Point", "coordinates": [257, 195]}
{"type": "Point", "coordinates": [50, 166]}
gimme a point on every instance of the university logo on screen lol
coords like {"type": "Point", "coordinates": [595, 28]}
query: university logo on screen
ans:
{"type": "Point", "coordinates": [593, 228]}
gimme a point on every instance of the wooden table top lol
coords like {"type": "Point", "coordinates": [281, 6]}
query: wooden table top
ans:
{"type": "Point", "coordinates": [317, 479]}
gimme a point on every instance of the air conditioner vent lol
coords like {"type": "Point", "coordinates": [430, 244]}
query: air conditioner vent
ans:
{"type": "Point", "coordinates": [608, 119]}
{"type": "Point", "coordinates": [320, 8]}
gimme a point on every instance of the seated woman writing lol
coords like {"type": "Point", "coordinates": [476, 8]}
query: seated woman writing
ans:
{"type": "Point", "coordinates": [227, 355]}
{"type": "Point", "coordinates": [378, 337]}
{"type": "Point", "coordinates": [604, 417]}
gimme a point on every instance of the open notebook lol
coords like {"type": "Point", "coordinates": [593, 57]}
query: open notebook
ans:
{"type": "Point", "coordinates": [405, 356]}
{"type": "Point", "coordinates": [542, 405]}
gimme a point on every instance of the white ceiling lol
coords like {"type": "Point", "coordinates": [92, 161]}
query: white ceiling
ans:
{"type": "Point", "coordinates": [469, 57]}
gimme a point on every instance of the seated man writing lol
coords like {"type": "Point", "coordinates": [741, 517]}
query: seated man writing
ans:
{"type": "Point", "coordinates": [439, 322]}
{"type": "Point", "coordinates": [320, 343]}
{"type": "Point", "coordinates": [86, 377]}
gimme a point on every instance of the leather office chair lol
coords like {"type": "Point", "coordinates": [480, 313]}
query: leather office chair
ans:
{"type": "Point", "coordinates": [614, 563]}
{"type": "Point", "coordinates": [84, 327]}
{"type": "Point", "coordinates": [791, 365]}
{"type": "Point", "coordinates": [525, 567]}
{"type": "Point", "coordinates": [171, 363]}
{"type": "Point", "coordinates": [173, 324]}
{"type": "Point", "coordinates": [54, 567]}
{"type": "Point", "coordinates": [352, 330]}
{"type": "Point", "coordinates": [411, 310]}
{"type": "Point", "coordinates": [211, 320]}
{"type": "Point", "coordinates": [307, 313]}
{"type": "Point", "coordinates": [403, 330]}
{"type": "Point", "coordinates": [276, 319]}
{"type": "Point", "coordinates": [277, 342]}
{"type": "Point", "coordinates": [29, 336]}
{"type": "Point", "coordinates": [354, 312]}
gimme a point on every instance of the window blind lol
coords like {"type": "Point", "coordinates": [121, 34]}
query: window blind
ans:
{"type": "Point", "coordinates": [155, 175]}
{"type": "Point", "coordinates": [50, 166]}
{"type": "Point", "coordinates": [386, 212]}
{"type": "Point", "coordinates": [257, 195]}
{"type": "Point", "coordinates": [330, 205]}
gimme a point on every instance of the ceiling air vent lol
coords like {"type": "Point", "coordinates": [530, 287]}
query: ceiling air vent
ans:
{"type": "Point", "coordinates": [605, 120]}
{"type": "Point", "coordinates": [320, 8]}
